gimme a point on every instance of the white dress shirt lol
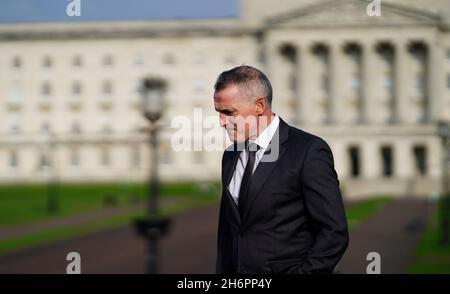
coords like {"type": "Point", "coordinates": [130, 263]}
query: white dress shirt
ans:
{"type": "Point", "coordinates": [262, 141]}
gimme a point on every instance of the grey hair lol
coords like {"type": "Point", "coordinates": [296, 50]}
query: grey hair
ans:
{"type": "Point", "coordinates": [252, 82]}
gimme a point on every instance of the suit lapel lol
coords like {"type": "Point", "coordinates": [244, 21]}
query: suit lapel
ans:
{"type": "Point", "coordinates": [229, 166]}
{"type": "Point", "coordinates": [266, 165]}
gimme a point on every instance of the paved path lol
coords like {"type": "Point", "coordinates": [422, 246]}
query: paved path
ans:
{"type": "Point", "coordinates": [393, 233]}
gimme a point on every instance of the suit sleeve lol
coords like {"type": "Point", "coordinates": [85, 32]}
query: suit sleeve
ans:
{"type": "Point", "coordinates": [221, 239]}
{"type": "Point", "coordinates": [223, 235]}
{"type": "Point", "coordinates": [325, 210]}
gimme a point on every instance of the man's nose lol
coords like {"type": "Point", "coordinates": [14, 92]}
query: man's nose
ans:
{"type": "Point", "coordinates": [223, 120]}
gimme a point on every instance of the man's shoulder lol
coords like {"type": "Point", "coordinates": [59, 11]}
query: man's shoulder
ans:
{"type": "Point", "coordinates": [308, 145]}
{"type": "Point", "coordinates": [304, 139]}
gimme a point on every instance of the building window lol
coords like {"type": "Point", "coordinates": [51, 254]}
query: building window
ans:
{"type": "Point", "coordinates": [107, 88]}
{"type": "Point", "coordinates": [138, 58]}
{"type": "Point", "coordinates": [420, 158]}
{"type": "Point", "coordinates": [169, 59]}
{"type": "Point", "coordinates": [323, 57]}
{"type": "Point", "coordinates": [355, 57]}
{"type": "Point", "coordinates": [321, 53]}
{"type": "Point", "coordinates": [420, 81]}
{"type": "Point", "coordinates": [45, 128]}
{"type": "Point", "coordinates": [77, 61]}
{"type": "Point", "coordinates": [14, 128]}
{"type": "Point", "coordinates": [47, 62]}
{"type": "Point", "coordinates": [419, 52]}
{"type": "Point", "coordinates": [74, 157]}
{"type": "Point", "coordinates": [17, 62]}
{"type": "Point", "coordinates": [387, 161]}
{"type": "Point", "coordinates": [75, 129]}
{"type": "Point", "coordinates": [76, 88]}
{"type": "Point", "coordinates": [13, 159]}
{"type": "Point", "coordinates": [355, 164]}
{"type": "Point", "coordinates": [105, 156]}
{"type": "Point", "coordinates": [44, 161]}
{"type": "Point", "coordinates": [289, 53]}
{"type": "Point", "coordinates": [387, 82]}
{"type": "Point", "coordinates": [108, 61]}
{"type": "Point", "coordinates": [135, 156]}
{"type": "Point", "coordinates": [355, 83]}
{"type": "Point", "coordinates": [387, 54]}
{"type": "Point", "coordinates": [15, 91]}
{"type": "Point", "coordinates": [46, 89]}
{"type": "Point", "coordinates": [325, 83]}
{"type": "Point", "coordinates": [292, 82]}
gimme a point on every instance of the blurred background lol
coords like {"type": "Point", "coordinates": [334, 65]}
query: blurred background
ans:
{"type": "Point", "coordinates": [90, 90]}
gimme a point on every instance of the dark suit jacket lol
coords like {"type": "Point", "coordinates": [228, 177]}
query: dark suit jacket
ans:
{"type": "Point", "coordinates": [294, 220]}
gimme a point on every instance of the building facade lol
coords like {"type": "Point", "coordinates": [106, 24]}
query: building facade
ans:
{"type": "Point", "coordinates": [373, 86]}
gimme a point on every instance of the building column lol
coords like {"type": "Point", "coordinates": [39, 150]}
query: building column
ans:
{"type": "Point", "coordinates": [400, 78]}
{"type": "Point", "coordinates": [272, 64]}
{"type": "Point", "coordinates": [335, 60]}
{"type": "Point", "coordinates": [304, 98]}
{"type": "Point", "coordinates": [435, 81]}
{"type": "Point", "coordinates": [370, 168]}
{"type": "Point", "coordinates": [340, 159]}
{"type": "Point", "coordinates": [434, 158]}
{"type": "Point", "coordinates": [403, 159]}
{"type": "Point", "coordinates": [368, 93]}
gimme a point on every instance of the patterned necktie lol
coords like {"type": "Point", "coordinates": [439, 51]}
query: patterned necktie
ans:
{"type": "Point", "coordinates": [246, 178]}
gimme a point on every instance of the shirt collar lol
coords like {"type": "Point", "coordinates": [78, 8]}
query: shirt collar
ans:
{"type": "Point", "coordinates": [266, 136]}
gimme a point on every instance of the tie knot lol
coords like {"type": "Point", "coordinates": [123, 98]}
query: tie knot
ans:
{"type": "Point", "coordinates": [252, 147]}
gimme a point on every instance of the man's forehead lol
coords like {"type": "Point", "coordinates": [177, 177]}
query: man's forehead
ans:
{"type": "Point", "coordinates": [222, 107]}
{"type": "Point", "coordinates": [223, 101]}
{"type": "Point", "coordinates": [228, 90]}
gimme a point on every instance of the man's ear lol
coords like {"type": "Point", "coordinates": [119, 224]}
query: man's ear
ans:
{"type": "Point", "coordinates": [260, 105]}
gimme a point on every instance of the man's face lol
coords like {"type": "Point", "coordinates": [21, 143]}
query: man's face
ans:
{"type": "Point", "coordinates": [236, 113]}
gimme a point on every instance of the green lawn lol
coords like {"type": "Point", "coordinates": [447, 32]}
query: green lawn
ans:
{"type": "Point", "coordinates": [28, 203]}
{"type": "Point", "coordinates": [362, 210]}
{"type": "Point", "coordinates": [184, 203]}
{"type": "Point", "coordinates": [431, 255]}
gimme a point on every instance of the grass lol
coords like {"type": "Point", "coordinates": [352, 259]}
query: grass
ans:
{"type": "Point", "coordinates": [362, 210]}
{"type": "Point", "coordinates": [21, 204]}
{"type": "Point", "coordinates": [48, 236]}
{"type": "Point", "coordinates": [431, 255]}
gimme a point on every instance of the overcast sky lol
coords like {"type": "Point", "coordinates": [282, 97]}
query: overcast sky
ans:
{"type": "Point", "coordinates": [17, 11]}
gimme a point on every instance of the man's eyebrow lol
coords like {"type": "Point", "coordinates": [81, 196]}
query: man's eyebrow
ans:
{"type": "Point", "coordinates": [224, 110]}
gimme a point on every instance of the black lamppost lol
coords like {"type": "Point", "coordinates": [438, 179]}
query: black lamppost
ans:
{"type": "Point", "coordinates": [444, 133]}
{"type": "Point", "coordinates": [153, 226]}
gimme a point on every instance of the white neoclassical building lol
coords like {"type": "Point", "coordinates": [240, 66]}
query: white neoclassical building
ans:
{"type": "Point", "coordinates": [373, 86]}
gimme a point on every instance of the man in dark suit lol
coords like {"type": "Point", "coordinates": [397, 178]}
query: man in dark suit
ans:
{"type": "Point", "coordinates": [281, 209]}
